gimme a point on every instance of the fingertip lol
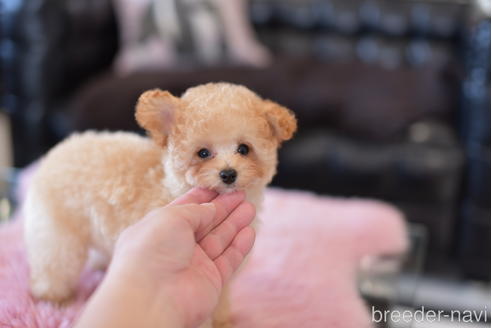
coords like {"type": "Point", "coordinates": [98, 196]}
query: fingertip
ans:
{"type": "Point", "coordinates": [203, 192]}
{"type": "Point", "coordinates": [243, 215]}
{"type": "Point", "coordinates": [226, 203]}
{"type": "Point", "coordinates": [250, 210]}
{"type": "Point", "coordinates": [237, 195]}
{"type": "Point", "coordinates": [195, 195]}
{"type": "Point", "coordinates": [250, 231]}
{"type": "Point", "coordinates": [245, 240]}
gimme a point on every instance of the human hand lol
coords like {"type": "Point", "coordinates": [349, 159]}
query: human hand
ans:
{"type": "Point", "coordinates": [171, 265]}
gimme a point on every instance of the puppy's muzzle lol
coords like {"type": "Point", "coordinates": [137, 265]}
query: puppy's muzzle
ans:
{"type": "Point", "coordinates": [228, 176]}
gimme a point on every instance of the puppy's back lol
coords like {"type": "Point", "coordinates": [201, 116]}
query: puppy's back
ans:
{"type": "Point", "coordinates": [99, 169]}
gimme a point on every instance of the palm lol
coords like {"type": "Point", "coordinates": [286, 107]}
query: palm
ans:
{"type": "Point", "coordinates": [199, 284]}
{"type": "Point", "coordinates": [198, 270]}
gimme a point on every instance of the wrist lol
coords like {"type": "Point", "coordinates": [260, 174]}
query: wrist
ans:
{"type": "Point", "coordinates": [149, 299]}
{"type": "Point", "coordinates": [119, 302]}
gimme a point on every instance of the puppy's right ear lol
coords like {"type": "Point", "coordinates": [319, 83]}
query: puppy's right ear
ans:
{"type": "Point", "coordinates": [282, 120]}
{"type": "Point", "coordinates": [156, 112]}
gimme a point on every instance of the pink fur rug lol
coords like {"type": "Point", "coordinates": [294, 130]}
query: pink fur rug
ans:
{"type": "Point", "coordinates": [302, 271]}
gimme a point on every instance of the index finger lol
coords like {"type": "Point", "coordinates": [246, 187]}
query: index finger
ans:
{"type": "Point", "coordinates": [195, 196]}
{"type": "Point", "coordinates": [224, 205]}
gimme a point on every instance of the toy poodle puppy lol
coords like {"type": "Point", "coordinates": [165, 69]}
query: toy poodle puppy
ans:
{"type": "Point", "coordinates": [93, 185]}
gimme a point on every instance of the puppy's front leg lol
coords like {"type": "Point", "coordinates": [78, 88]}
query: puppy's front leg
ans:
{"type": "Point", "coordinates": [56, 249]}
{"type": "Point", "coordinates": [222, 315]}
{"type": "Point", "coordinates": [56, 259]}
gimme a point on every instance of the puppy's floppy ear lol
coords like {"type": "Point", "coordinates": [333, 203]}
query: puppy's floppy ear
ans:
{"type": "Point", "coordinates": [156, 112]}
{"type": "Point", "coordinates": [282, 120]}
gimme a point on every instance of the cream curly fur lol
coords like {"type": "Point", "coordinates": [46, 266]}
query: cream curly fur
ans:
{"type": "Point", "coordinates": [93, 185]}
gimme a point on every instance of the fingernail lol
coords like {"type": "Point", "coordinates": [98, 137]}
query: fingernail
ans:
{"type": "Point", "coordinates": [240, 193]}
{"type": "Point", "coordinates": [203, 189]}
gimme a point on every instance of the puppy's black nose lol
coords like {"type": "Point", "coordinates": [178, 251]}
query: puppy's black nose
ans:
{"type": "Point", "coordinates": [228, 176]}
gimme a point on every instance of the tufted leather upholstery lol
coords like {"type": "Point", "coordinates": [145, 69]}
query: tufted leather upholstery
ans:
{"type": "Point", "coordinates": [56, 45]}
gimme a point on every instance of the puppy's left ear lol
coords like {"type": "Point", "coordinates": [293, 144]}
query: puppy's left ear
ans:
{"type": "Point", "coordinates": [281, 119]}
{"type": "Point", "coordinates": [156, 113]}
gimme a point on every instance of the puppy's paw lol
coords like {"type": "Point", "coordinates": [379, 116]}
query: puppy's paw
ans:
{"type": "Point", "coordinates": [207, 324]}
{"type": "Point", "coordinates": [47, 290]}
{"type": "Point", "coordinates": [222, 323]}
{"type": "Point", "coordinates": [97, 261]}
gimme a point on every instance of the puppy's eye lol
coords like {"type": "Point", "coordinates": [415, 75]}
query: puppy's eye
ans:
{"type": "Point", "coordinates": [203, 153]}
{"type": "Point", "coordinates": [243, 149]}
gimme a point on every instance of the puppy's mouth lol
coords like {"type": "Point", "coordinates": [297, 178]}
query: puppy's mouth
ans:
{"type": "Point", "coordinates": [218, 185]}
{"type": "Point", "coordinates": [225, 188]}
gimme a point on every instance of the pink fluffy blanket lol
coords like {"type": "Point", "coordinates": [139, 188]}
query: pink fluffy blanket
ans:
{"type": "Point", "coordinates": [302, 271]}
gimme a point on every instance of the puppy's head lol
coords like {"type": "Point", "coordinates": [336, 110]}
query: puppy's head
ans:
{"type": "Point", "coordinates": [219, 136]}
